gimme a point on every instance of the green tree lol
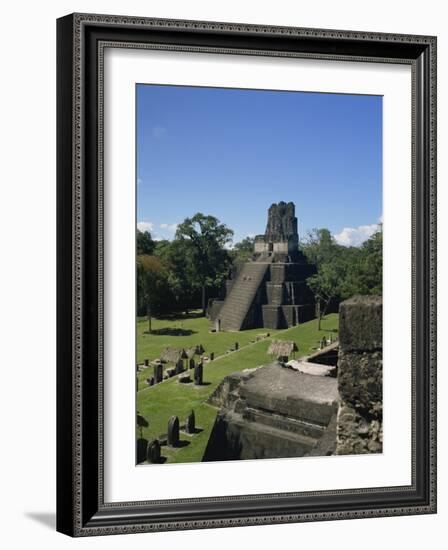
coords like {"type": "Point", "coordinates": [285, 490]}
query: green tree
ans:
{"type": "Point", "coordinates": [319, 246]}
{"type": "Point", "coordinates": [145, 244]}
{"type": "Point", "coordinates": [152, 286]}
{"type": "Point", "coordinates": [181, 276]}
{"type": "Point", "coordinates": [326, 286]}
{"type": "Point", "coordinates": [342, 271]}
{"type": "Point", "coordinates": [206, 257]}
{"type": "Point", "coordinates": [242, 252]}
{"type": "Point", "coordinates": [370, 269]}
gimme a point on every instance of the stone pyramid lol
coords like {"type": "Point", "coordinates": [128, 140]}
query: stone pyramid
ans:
{"type": "Point", "coordinates": [270, 290]}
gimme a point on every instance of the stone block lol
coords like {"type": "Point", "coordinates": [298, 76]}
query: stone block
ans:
{"type": "Point", "coordinates": [271, 317]}
{"type": "Point", "coordinates": [274, 293]}
{"type": "Point", "coordinates": [357, 434]}
{"type": "Point", "coordinates": [361, 324]}
{"type": "Point", "coordinates": [360, 378]}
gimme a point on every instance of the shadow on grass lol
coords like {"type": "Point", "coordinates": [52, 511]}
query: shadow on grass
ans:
{"type": "Point", "coordinates": [176, 316]}
{"type": "Point", "coordinates": [194, 432]}
{"type": "Point", "coordinates": [181, 443]}
{"type": "Point", "coordinates": [171, 331]}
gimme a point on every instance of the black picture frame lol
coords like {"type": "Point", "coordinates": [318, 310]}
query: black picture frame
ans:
{"type": "Point", "coordinates": [81, 510]}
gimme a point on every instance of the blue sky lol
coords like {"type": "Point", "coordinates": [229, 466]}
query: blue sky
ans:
{"type": "Point", "coordinates": [232, 153]}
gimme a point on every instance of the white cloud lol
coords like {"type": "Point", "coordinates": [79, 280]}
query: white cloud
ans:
{"type": "Point", "coordinates": [158, 132]}
{"type": "Point", "coordinates": [355, 236]}
{"type": "Point", "coordinates": [145, 226]}
{"type": "Point", "coordinates": [171, 227]}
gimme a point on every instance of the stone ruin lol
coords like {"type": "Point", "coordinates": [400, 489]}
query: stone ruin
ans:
{"type": "Point", "coordinates": [273, 412]}
{"type": "Point", "coordinates": [331, 406]}
{"type": "Point", "coordinates": [270, 290]}
{"type": "Point", "coordinates": [360, 376]}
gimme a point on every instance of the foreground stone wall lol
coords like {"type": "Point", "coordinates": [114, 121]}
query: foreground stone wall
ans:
{"type": "Point", "coordinates": [360, 376]}
{"type": "Point", "coordinates": [273, 412]}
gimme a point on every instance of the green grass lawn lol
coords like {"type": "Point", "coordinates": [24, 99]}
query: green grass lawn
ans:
{"type": "Point", "coordinates": [196, 331]}
{"type": "Point", "coordinates": [157, 403]}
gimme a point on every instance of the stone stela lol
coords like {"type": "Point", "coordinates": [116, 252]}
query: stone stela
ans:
{"type": "Point", "coordinates": [198, 374]}
{"type": "Point", "coordinates": [173, 431]}
{"type": "Point", "coordinates": [270, 290]}
{"type": "Point", "coordinates": [190, 423]}
{"type": "Point", "coordinates": [153, 452]}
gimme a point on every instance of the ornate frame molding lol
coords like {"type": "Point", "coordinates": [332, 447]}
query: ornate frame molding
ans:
{"type": "Point", "coordinates": [81, 42]}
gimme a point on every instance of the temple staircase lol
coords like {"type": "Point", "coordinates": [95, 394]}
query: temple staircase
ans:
{"type": "Point", "coordinates": [242, 294]}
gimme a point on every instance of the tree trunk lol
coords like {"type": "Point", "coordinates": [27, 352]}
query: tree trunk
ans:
{"type": "Point", "coordinates": [204, 305]}
{"type": "Point", "coordinates": [319, 315]}
{"type": "Point", "coordinates": [148, 311]}
{"type": "Point", "coordinates": [322, 312]}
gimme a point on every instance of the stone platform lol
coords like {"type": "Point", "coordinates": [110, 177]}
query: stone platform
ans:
{"type": "Point", "coordinates": [273, 411]}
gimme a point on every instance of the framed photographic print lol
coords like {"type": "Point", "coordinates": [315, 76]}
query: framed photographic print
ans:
{"type": "Point", "coordinates": [246, 274]}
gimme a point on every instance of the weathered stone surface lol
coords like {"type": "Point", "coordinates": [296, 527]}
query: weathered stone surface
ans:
{"type": "Point", "coordinates": [190, 423]}
{"type": "Point", "coordinates": [146, 362]}
{"type": "Point", "coordinates": [313, 369]}
{"type": "Point", "coordinates": [173, 431]}
{"type": "Point", "coordinates": [184, 379]}
{"type": "Point", "coordinates": [358, 434]}
{"type": "Point", "coordinates": [150, 381]}
{"type": "Point", "coordinates": [170, 372]}
{"type": "Point", "coordinates": [233, 438]}
{"type": "Point", "coordinates": [153, 452]}
{"type": "Point", "coordinates": [361, 323]}
{"type": "Point", "coordinates": [360, 377]}
{"type": "Point", "coordinates": [227, 391]}
{"type": "Point", "coordinates": [271, 412]}
{"type": "Point", "coordinates": [294, 394]}
{"type": "Point", "coordinates": [282, 222]}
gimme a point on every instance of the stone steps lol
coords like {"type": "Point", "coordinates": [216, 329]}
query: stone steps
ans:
{"type": "Point", "coordinates": [280, 422]}
{"type": "Point", "coordinates": [271, 441]}
{"type": "Point", "coordinates": [241, 296]}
